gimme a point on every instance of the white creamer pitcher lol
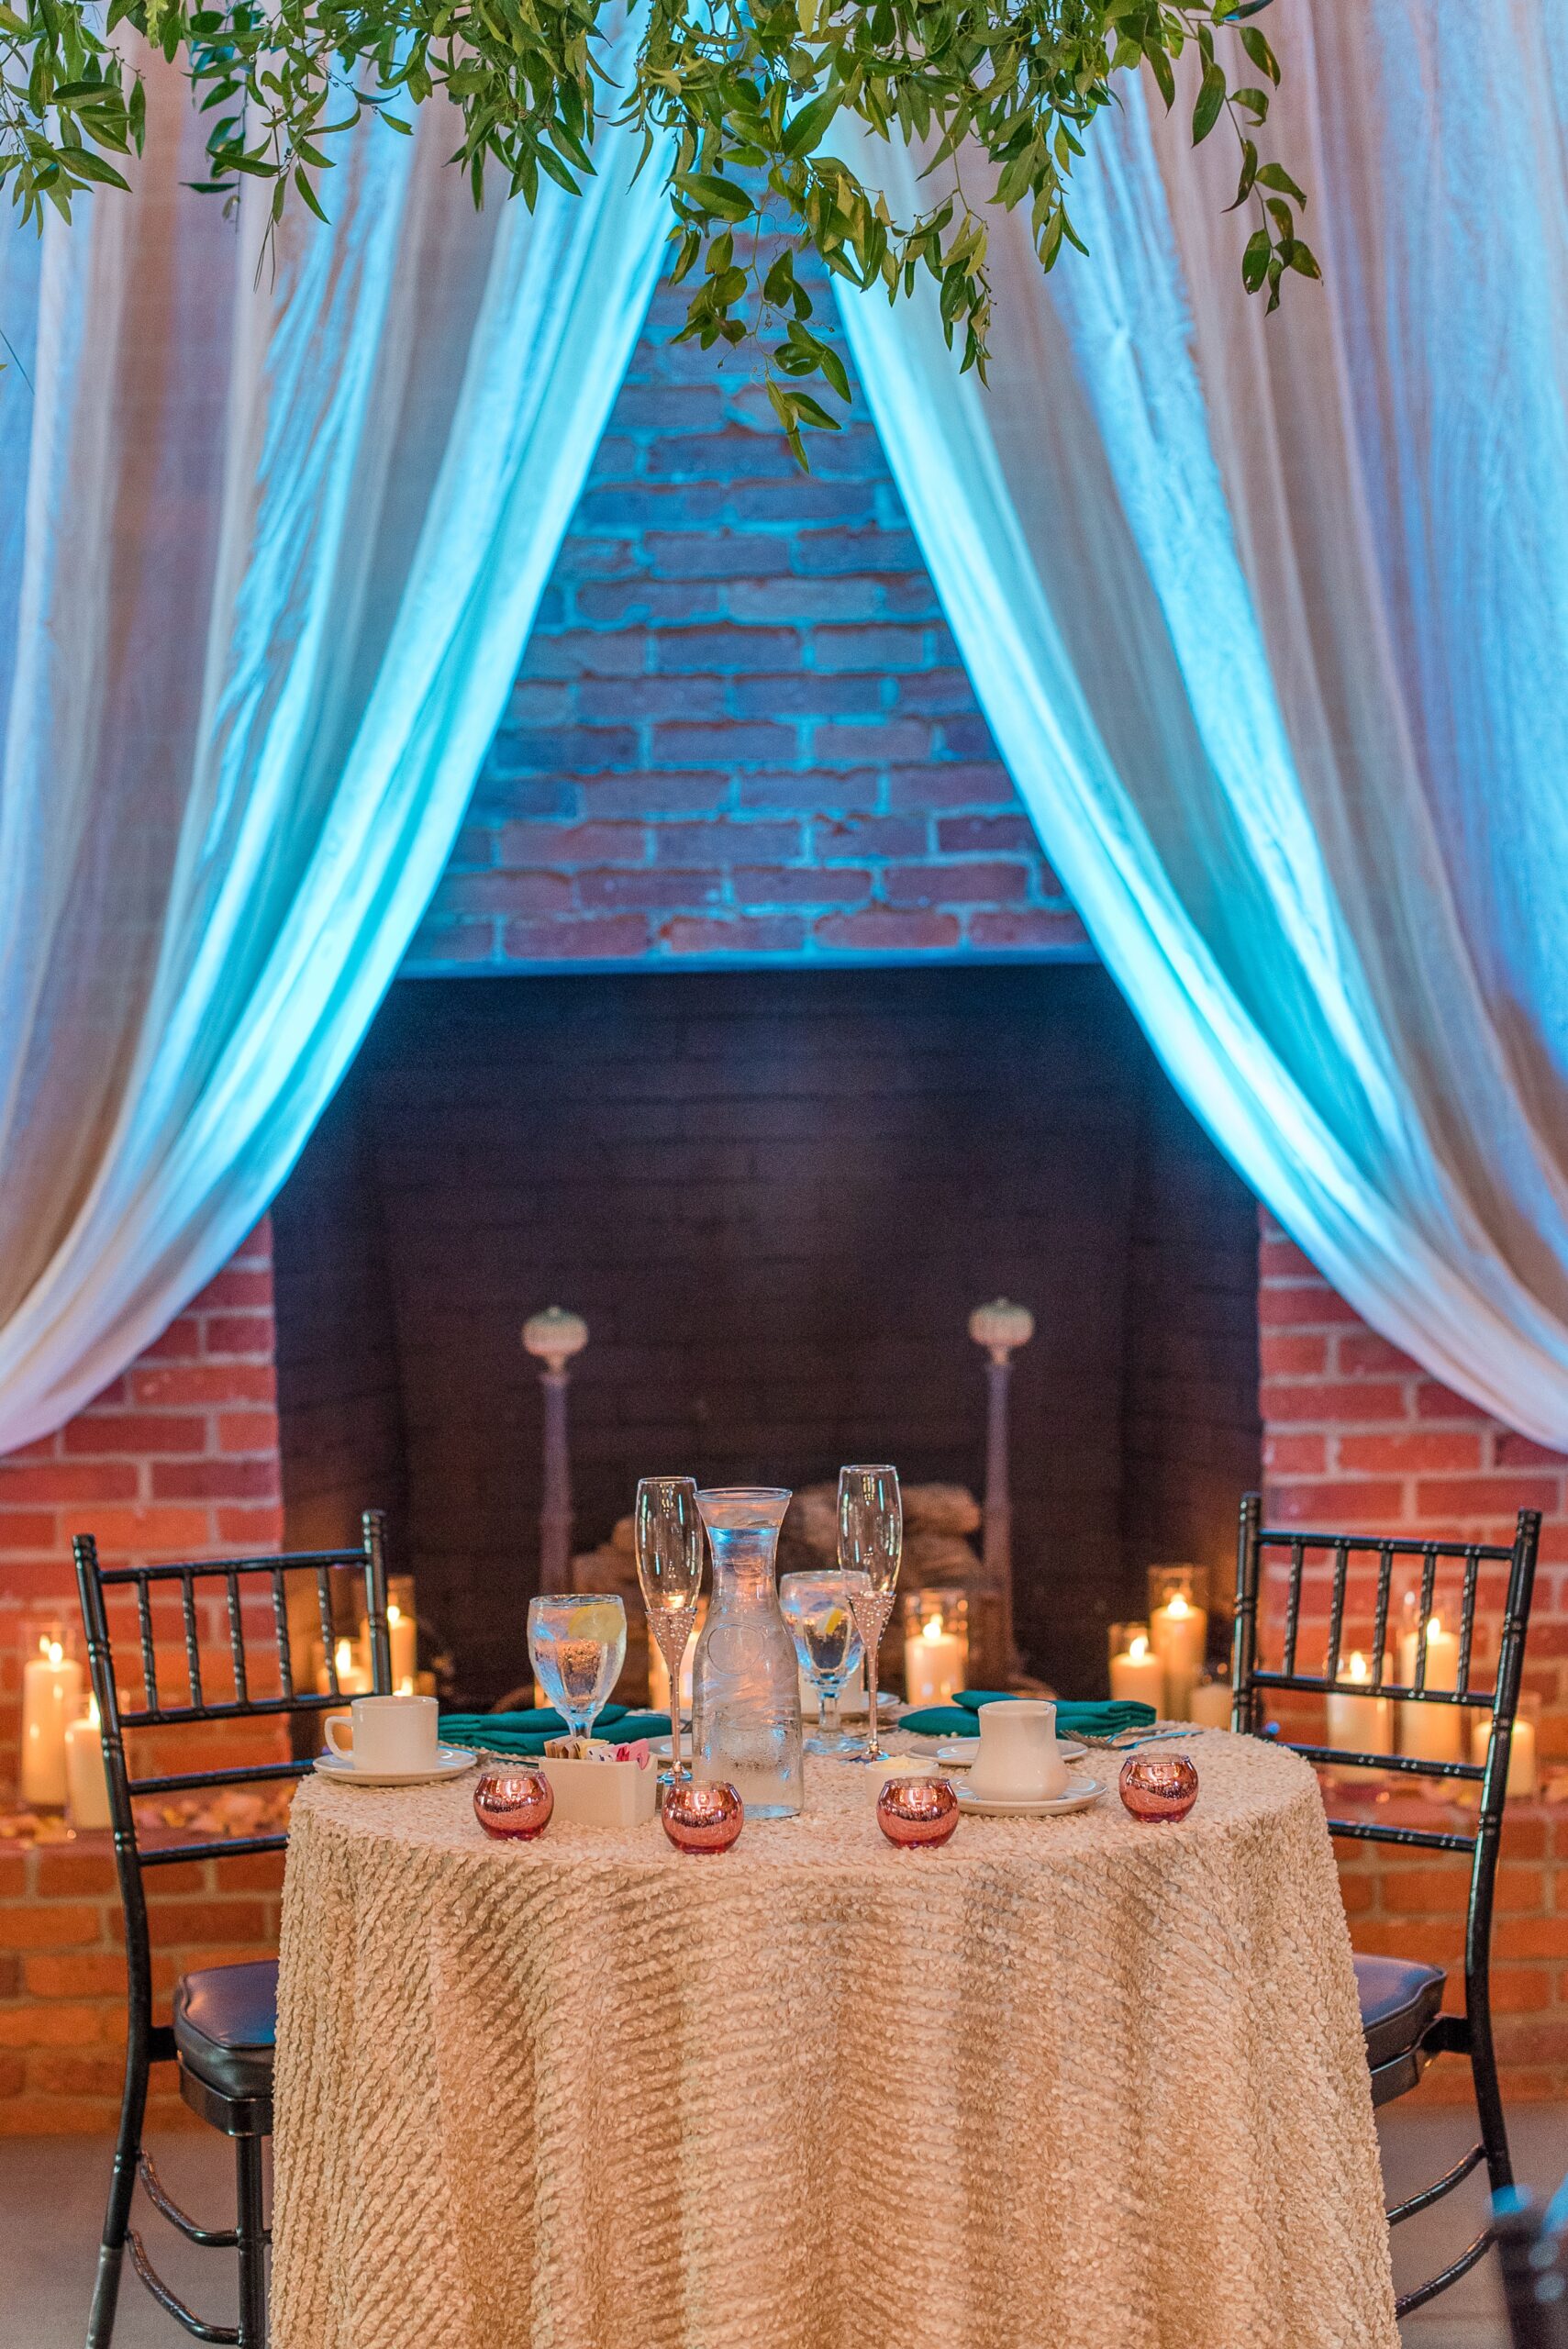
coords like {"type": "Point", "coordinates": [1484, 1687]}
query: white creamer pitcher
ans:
{"type": "Point", "coordinates": [1020, 1760]}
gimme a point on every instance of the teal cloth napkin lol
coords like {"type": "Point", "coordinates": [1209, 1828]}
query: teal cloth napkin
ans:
{"type": "Point", "coordinates": [529, 1732]}
{"type": "Point", "coordinates": [961, 1717]}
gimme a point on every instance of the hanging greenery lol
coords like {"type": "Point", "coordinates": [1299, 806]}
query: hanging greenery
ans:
{"type": "Point", "coordinates": [747, 91]}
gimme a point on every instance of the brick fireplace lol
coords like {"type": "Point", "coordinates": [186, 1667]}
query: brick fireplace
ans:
{"type": "Point", "coordinates": [775, 1196]}
{"type": "Point", "coordinates": [742, 758]}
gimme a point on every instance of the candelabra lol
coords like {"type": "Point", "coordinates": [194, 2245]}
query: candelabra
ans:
{"type": "Point", "coordinates": [552, 1338]}
{"type": "Point", "coordinates": [1001, 1328]}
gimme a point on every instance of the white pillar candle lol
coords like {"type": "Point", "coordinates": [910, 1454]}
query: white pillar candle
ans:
{"type": "Point", "coordinates": [1434, 1733]}
{"type": "Point", "coordinates": [1139, 1677]}
{"type": "Point", "coordinates": [1522, 1774]}
{"type": "Point", "coordinates": [1211, 1705]}
{"type": "Point", "coordinates": [51, 1699]}
{"type": "Point", "coordinates": [1178, 1633]}
{"type": "Point", "coordinates": [1359, 1724]}
{"type": "Point", "coordinates": [87, 1781]}
{"type": "Point", "coordinates": [936, 1663]}
{"type": "Point", "coordinates": [403, 1638]}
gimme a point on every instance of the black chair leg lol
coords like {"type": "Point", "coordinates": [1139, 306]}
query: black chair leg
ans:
{"type": "Point", "coordinates": [122, 2186]}
{"type": "Point", "coordinates": [1489, 2102]}
{"type": "Point", "coordinates": [252, 2233]}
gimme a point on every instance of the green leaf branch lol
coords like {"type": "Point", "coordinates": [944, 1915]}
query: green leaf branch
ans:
{"type": "Point", "coordinates": [748, 94]}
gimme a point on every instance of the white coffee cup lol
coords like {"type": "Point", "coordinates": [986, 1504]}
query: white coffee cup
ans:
{"type": "Point", "coordinates": [386, 1733]}
{"type": "Point", "coordinates": [1020, 1760]}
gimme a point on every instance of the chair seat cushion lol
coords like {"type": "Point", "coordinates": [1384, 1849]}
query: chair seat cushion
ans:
{"type": "Point", "coordinates": [225, 2023]}
{"type": "Point", "coordinates": [1398, 2000]}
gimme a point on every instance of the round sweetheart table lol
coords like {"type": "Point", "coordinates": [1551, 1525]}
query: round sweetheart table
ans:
{"type": "Point", "coordinates": [1071, 2082]}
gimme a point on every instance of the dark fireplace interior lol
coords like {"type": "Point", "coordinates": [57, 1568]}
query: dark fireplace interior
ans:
{"type": "Point", "coordinates": [774, 1197]}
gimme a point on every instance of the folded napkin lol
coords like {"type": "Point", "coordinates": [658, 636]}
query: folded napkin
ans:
{"type": "Point", "coordinates": [528, 1732]}
{"type": "Point", "coordinates": [961, 1717]}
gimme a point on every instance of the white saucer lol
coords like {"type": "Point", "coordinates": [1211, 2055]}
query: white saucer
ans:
{"type": "Point", "coordinates": [1078, 1798]}
{"type": "Point", "coordinates": [450, 1762]}
{"type": "Point", "coordinates": [960, 1755]}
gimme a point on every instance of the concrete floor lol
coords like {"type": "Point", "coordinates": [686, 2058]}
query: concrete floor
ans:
{"type": "Point", "coordinates": [52, 2196]}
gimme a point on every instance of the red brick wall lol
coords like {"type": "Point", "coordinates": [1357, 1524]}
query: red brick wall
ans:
{"type": "Point", "coordinates": [179, 1458]}
{"type": "Point", "coordinates": [741, 729]}
{"type": "Point", "coordinates": [1356, 1436]}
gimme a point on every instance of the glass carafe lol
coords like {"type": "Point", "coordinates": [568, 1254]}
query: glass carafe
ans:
{"type": "Point", "coordinates": [745, 1688]}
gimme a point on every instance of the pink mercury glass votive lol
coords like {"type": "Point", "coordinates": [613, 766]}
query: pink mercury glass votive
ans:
{"type": "Point", "coordinates": [513, 1800]}
{"type": "Point", "coordinates": [705, 1816]}
{"type": "Point", "coordinates": [918, 1814]}
{"type": "Point", "coordinates": [1158, 1786]}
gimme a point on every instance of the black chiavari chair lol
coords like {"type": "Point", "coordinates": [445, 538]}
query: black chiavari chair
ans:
{"type": "Point", "coordinates": [1401, 2001]}
{"type": "Point", "coordinates": [224, 2022]}
{"type": "Point", "coordinates": [1533, 2244]}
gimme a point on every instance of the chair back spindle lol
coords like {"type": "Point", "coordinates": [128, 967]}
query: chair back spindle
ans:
{"type": "Point", "coordinates": [160, 1708]}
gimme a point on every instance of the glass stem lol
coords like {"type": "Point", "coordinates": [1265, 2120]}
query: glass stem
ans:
{"type": "Point", "coordinates": [829, 1703]}
{"type": "Point", "coordinates": [874, 1750]}
{"type": "Point", "coordinates": [673, 1648]}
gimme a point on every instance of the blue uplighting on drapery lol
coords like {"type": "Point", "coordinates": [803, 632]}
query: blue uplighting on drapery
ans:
{"type": "Point", "coordinates": [1270, 620]}
{"type": "Point", "coordinates": [270, 544]}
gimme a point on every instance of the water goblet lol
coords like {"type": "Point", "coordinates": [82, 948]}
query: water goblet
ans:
{"type": "Point", "coordinates": [669, 1532]}
{"type": "Point", "coordinates": [577, 1645]}
{"type": "Point", "coordinates": [870, 1544]}
{"type": "Point", "coordinates": [828, 1642]}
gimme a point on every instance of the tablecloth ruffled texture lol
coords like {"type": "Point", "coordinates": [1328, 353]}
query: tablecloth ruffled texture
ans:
{"type": "Point", "coordinates": [1062, 2083]}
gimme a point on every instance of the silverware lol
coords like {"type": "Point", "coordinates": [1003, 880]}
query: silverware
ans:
{"type": "Point", "coordinates": [1127, 1740]}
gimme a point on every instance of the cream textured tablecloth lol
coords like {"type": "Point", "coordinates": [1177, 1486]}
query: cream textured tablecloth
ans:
{"type": "Point", "coordinates": [1066, 2084]}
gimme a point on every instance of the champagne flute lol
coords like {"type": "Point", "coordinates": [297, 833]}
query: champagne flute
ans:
{"type": "Point", "coordinates": [870, 1544]}
{"type": "Point", "coordinates": [668, 1530]}
{"type": "Point", "coordinates": [577, 1645]}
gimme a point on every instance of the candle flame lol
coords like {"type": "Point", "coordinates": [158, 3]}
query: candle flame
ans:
{"type": "Point", "coordinates": [394, 1612]}
{"type": "Point", "coordinates": [1178, 1604]}
{"type": "Point", "coordinates": [1434, 1626]}
{"type": "Point", "coordinates": [406, 1686]}
{"type": "Point", "coordinates": [345, 1657]}
{"type": "Point", "coordinates": [93, 1712]}
{"type": "Point", "coordinates": [53, 1650]}
{"type": "Point", "coordinates": [1358, 1670]}
{"type": "Point", "coordinates": [932, 1627]}
{"type": "Point", "coordinates": [1140, 1649]}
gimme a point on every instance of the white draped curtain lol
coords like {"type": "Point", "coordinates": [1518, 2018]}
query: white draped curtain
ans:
{"type": "Point", "coordinates": [1270, 619]}
{"type": "Point", "coordinates": [272, 531]}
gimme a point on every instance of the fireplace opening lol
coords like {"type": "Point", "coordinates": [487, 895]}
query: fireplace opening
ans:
{"type": "Point", "coordinates": [775, 1197]}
